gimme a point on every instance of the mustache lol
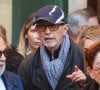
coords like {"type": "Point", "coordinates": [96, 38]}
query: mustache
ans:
{"type": "Point", "coordinates": [49, 36]}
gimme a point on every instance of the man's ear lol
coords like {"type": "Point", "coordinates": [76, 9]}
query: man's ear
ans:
{"type": "Point", "coordinates": [66, 27]}
{"type": "Point", "coordinates": [90, 71]}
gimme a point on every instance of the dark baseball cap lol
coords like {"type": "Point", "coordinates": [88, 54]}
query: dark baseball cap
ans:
{"type": "Point", "coordinates": [50, 13]}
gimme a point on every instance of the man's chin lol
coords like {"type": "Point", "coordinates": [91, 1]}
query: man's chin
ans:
{"type": "Point", "coordinates": [50, 45]}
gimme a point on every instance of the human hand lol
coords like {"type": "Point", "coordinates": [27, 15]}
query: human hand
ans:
{"type": "Point", "coordinates": [77, 75]}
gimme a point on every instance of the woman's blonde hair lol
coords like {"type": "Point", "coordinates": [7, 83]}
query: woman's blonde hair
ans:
{"type": "Point", "coordinates": [91, 32]}
{"type": "Point", "coordinates": [23, 42]}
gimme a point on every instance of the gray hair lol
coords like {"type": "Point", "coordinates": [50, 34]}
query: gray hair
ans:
{"type": "Point", "coordinates": [75, 20]}
{"type": "Point", "coordinates": [79, 18]}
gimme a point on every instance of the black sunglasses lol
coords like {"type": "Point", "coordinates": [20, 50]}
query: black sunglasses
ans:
{"type": "Point", "coordinates": [5, 52]}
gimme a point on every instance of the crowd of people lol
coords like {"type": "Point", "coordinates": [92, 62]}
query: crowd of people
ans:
{"type": "Point", "coordinates": [55, 52]}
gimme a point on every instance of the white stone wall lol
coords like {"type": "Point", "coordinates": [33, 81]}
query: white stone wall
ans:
{"type": "Point", "coordinates": [76, 4]}
{"type": "Point", "coordinates": [6, 16]}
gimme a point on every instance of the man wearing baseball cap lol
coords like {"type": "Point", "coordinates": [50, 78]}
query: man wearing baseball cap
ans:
{"type": "Point", "coordinates": [57, 57]}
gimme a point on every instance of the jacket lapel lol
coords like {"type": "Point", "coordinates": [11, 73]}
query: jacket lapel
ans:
{"type": "Point", "coordinates": [39, 78]}
{"type": "Point", "coordinates": [10, 83]}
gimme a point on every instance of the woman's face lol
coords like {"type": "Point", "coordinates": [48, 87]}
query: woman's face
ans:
{"type": "Point", "coordinates": [88, 43]}
{"type": "Point", "coordinates": [33, 38]}
{"type": "Point", "coordinates": [95, 71]}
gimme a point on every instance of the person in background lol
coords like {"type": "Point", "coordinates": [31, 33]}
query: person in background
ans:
{"type": "Point", "coordinates": [57, 57]}
{"type": "Point", "coordinates": [13, 59]}
{"type": "Point", "coordinates": [92, 56]}
{"type": "Point", "coordinates": [79, 20]}
{"type": "Point", "coordinates": [8, 80]}
{"type": "Point", "coordinates": [29, 39]}
{"type": "Point", "coordinates": [89, 36]}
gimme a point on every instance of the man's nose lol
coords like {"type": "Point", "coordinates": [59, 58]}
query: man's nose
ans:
{"type": "Point", "coordinates": [47, 30]}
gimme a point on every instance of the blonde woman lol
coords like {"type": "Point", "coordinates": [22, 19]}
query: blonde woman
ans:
{"type": "Point", "coordinates": [29, 39]}
{"type": "Point", "coordinates": [89, 36]}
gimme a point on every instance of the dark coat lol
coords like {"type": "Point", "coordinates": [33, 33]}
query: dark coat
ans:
{"type": "Point", "coordinates": [12, 81]}
{"type": "Point", "coordinates": [91, 86]}
{"type": "Point", "coordinates": [34, 78]}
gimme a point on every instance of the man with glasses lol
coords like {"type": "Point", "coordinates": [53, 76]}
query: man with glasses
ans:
{"type": "Point", "coordinates": [56, 58]}
{"type": "Point", "coordinates": [8, 80]}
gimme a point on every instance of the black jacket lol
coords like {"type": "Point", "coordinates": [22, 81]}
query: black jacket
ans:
{"type": "Point", "coordinates": [91, 86]}
{"type": "Point", "coordinates": [34, 78]}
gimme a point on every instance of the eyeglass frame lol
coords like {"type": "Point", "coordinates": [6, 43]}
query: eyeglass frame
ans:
{"type": "Point", "coordinates": [52, 27]}
{"type": "Point", "coordinates": [5, 52]}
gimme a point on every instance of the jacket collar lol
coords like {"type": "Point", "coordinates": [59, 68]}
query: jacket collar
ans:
{"type": "Point", "coordinates": [40, 71]}
{"type": "Point", "coordinates": [8, 80]}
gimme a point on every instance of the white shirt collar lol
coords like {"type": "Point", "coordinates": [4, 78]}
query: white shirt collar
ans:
{"type": "Point", "coordinates": [2, 86]}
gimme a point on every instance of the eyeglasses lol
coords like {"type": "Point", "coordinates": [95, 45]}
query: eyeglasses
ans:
{"type": "Point", "coordinates": [5, 52]}
{"type": "Point", "coordinates": [52, 27]}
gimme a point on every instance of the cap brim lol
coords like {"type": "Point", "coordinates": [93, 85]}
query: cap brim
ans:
{"type": "Point", "coordinates": [50, 20]}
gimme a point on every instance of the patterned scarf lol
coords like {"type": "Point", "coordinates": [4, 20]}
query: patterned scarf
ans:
{"type": "Point", "coordinates": [53, 69]}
